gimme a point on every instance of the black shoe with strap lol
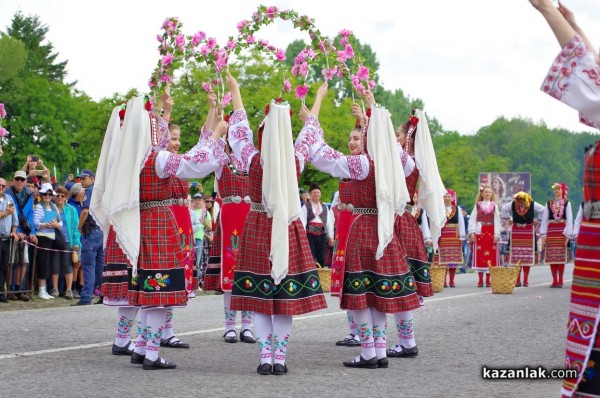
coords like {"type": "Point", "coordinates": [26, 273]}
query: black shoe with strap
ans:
{"type": "Point", "coordinates": [116, 350]}
{"type": "Point", "coordinates": [362, 363]}
{"type": "Point", "coordinates": [279, 369]}
{"type": "Point", "coordinates": [349, 341]}
{"type": "Point", "coordinates": [173, 342]}
{"type": "Point", "coordinates": [231, 338]}
{"type": "Point", "coordinates": [160, 363]}
{"type": "Point", "coordinates": [403, 353]}
{"type": "Point", "coordinates": [264, 369]}
{"type": "Point", "coordinates": [247, 339]}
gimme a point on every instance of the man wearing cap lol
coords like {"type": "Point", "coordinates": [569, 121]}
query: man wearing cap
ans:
{"type": "Point", "coordinates": [318, 222]}
{"type": "Point", "coordinates": [92, 252]}
{"type": "Point", "coordinates": [23, 199]}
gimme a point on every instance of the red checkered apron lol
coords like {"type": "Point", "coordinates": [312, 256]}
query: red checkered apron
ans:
{"type": "Point", "coordinates": [485, 250]}
{"type": "Point", "coordinates": [386, 284]}
{"type": "Point", "coordinates": [116, 274]}
{"type": "Point", "coordinates": [161, 275]}
{"type": "Point", "coordinates": [233, 187]}
{"type": "Point", "coordinates": [411, 238]}
{"type": "Point", "coordinates": [253, 289]}
{"type": "Point", "coordinates": [181, 212]}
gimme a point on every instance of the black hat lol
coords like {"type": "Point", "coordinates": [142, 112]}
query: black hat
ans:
{"type": "Point", "coordinates": [301, 191]}
{"type": "Point", "coordinates": [314, 186]}
{"type": "Point", "coordinates": [198, 196]}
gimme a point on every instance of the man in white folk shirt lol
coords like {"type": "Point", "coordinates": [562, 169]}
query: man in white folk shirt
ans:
{"type": "Point", "coordinates": [318, 222]}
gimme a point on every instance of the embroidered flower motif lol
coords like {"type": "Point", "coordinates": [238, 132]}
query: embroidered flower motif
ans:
{"type": "Point", "coordinates": [156, 282]}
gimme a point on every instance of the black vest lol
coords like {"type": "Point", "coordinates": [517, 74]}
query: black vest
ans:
{"type": "Point", "coordinates": [311, 216]}
{"type": "Point", "coordinates": [526, 218]}
{"type": "Point", "coordinates": [551, 213]}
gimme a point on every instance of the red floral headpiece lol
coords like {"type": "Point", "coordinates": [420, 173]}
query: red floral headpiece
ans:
{"type": "Point", "coordinates": [413, 121]}
{"type": "Point", "coordinates": [563, 186]}
{"type": "Point", "coordinates": [453, 194]}
{"type": "Point", "coordinates": [122, 111]}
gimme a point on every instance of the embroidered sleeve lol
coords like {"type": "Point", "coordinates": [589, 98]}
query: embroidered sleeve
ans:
{"type": "Point", "coordinates": [472, 228]}
{"type": "Point", "coordinates": [574, 78]}
{"type": "Point", "coordinates": [197, 163]}
{"type": "Point", "coordinates": [311, 147]}
{"type": "Point", "coordinates": [205, 134]}
{"type": "Point", "coordinates": [164, 135]}
{"type": "Point", "coordinates": [569, 224]}
{"type": "Point", "coordinates": [240, 139]}
{"type": "Point", "coordinates": [577, 222]}
{"type": "Point", "coordinates": [408, 163]}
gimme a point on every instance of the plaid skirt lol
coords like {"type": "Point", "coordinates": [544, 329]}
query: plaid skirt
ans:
{"type": "Point", "coordinates": [116, 273]}
{"type": "Point", "coordinates": [253, 289]}
{"type": "Point", "coordinates": [386, 284]}
{"type": "Point", "coordinates": [409, 234]}
{"type": "Point", "coordinates": [161, 275]}
{"type": "Point", "coordinates": [583, 344]}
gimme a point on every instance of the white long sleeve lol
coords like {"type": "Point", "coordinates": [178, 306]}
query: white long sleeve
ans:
{"type": "Point", "coordinates": [577, 222]}
{"type": "Point", "coordinates": [200, 161]}
{"type": "Point", "coordinates": [240, 139]}
{"type": "Point", "coordinates": [330, 224]}
{"type": "Point", "coordinates": [568, 230]}
{"type": "Point", "coordinates": [311, 147]}
{"type": "Point", "coordinates": [425, 227]}
{"type": "Point", "coordinates": [461, 225]}
{"type": "Point", "coordinates": [303, 216]}
{"type": "Point", "coordinates": [573, 79]}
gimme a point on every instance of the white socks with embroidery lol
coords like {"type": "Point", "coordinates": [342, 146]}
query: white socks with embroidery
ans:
{"type": "Point", "coordinates": [282, 329]}
{"type": "Point", "coordinates": [140, 340]}
{"type": "Point", "coordinates": [124, 325]}
{"type": "Point", "coordinates": [406, 331]}
{"type": "Point", "coordinates": [263, 329]}
{"type": "Point", "coordinates": [379, 331]}
{"type": "Point", "coordinates": [154, 328]}
{"type": "Point", "coordinates": [364, 322]}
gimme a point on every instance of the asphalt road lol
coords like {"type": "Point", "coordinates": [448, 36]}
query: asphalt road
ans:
{"type": "Point", "coordinates": [65, 351]}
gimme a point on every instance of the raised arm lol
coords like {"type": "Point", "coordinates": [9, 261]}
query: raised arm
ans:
{"type": "Point", "coordinates": [236, 96]}
{"type": "Point", "coordinates": [570, 17]}
{"type": "Point", "coordinates": [563, 31]}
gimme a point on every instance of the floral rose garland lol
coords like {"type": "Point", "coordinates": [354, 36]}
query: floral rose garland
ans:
{"type": "Point", "coordinates": [3, 131]}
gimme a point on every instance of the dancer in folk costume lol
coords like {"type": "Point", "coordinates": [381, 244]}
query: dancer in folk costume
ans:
{"type": "Point", "coordinates": [232, 183]}
{"type": "Point", "coordinates": [275, 275]}
{"type": "Point", "coordinates": [420, 167]}
{"type": "Point", "coordinates": [523, 214]}
{"type": "Point", "coordinates": [376, 278]}
{"type": "Point", "coordinates": [134, 201]}
{"type": "Point", "coordinates": [452, 235]}
{"type": "Point", "coordinates": [484, 233]}
{"type": "Point", "coordinates": [556, 230]}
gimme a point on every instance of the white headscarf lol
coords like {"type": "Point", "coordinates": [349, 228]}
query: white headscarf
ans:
{"type": "Point", "coordinates": [431, 187]}
{"type": "Point", "coordinates": [121, 200]}
{"type": "Point", "coordinates": [112, 140]}
{"type": "Point", "coordinates": [392, 193]}
{"type": "Point", "coordinates": [279, 185]}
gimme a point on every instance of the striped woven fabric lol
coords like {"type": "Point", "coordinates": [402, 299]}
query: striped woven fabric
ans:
{"type": "Point", "coordinates": [583, 348]}
{"type": "Point", "coordinates": [556, 250]}
{"type": "Point", "coordinates": [522, 245]}
{"type": "Point", "coordinates": [450, 246]}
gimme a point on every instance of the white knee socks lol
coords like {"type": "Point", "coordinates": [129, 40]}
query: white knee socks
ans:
{"type": "Point", "coordinates": [155, 326]}
{"type": "Point", "coordinates": [406, 332]}
{"type": "Point", "coordinates": [379, 331]}
{"type": "Point", "coordinates": [364, 322]}
{"type": "Point", "coordinates": [124, 325]}
{"type": "Point", "coordinates": [282, 329]}
{"type": "Point", "coordinates": [263, 330]}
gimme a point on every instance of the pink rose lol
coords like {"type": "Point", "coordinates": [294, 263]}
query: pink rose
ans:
{"type": "Point", "coordinates": [303, 69]}
{"type": "Point", "coordinates": [2, 111]}
{"type": "Point", "coordinates": [196, 39]}
{"type": "Point", "coordinates": [343, 41]}
{"type": "Point", "coordinates": [241, 25]}
{"type": "Point", "coordinates": [363, 73]}
{"type": "Point", "coordinates": [166, 23]}
{"type": "Point", "coordinates": [206, 87]}
{"type": "Point", "coordinates": [280, 55]}
{"type": "Point", "coordinates": [204, 50]}
{"type": "Point", "coordinates": [167, 59]}
{"type": "Point", "coordinates": [226, 99]}
{"type": "Point", "coordinates": [159, 38]}
{"type": "Point", "coordinates": [166, 78]}
{"type": "Point", "coordinates": [272, 47]}
{"type": "Point", "coordinates": [295, 70]}
{"type": "Point", "coordinates": [3, 132]}
{"type": "Point", "coordinates": [349, 51]}
{"type": "Point", "coordinates": [250, 39]}
{"type": "Point", "coordinates": [151, 82]}
{"type": "Point", "coordinates": [264, 42]}
{"type": "Point", "coordinates": [180, 41]}
{"type": "Point", "coordinates": [345, 33]}
{"type": "Point", "coordinates": [372, 84]}
{"type": "Point", "coordinates": [231, 44]}
{"type": "Point", "coordinates": [301, 91]}
{"type": "Point", "coordinates": [212, 42]}
{"type": "Point", "coordinates": [310, 53]}
{"type": "Point", "coordinates": [271, 12]}
{"type": "Point", "coordinates": [287, 86]}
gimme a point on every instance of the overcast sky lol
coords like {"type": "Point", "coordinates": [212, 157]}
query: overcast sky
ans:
{"type": "Point", "coordinates": [470, 61]}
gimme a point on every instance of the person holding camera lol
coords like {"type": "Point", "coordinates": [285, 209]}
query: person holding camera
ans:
{"type": "Point", "coordinates": [31, 167]}
{"type": "Point", "coordinates": [23, 199]}
{"type": "Point", "coordinates": [8, 231]}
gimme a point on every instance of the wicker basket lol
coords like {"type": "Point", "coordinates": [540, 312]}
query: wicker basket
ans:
{"type": "Point", "coordinates": [438, 277]}
{"type": "Point", "coordinates": [504, 278]}
{"type": "Point", "coordinates": [324, 277]}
